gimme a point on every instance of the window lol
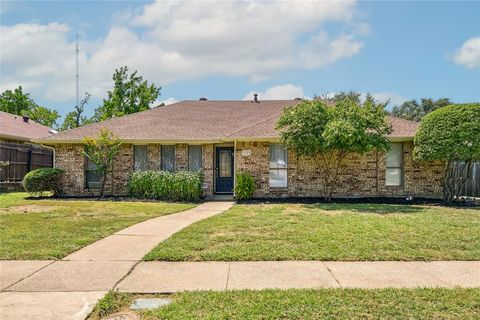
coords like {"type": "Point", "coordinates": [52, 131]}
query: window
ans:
{"type": "Point", "coordinates": [194, 158]}
{"type": "Point", "coordinates": [92, 179]}
{"type": "Point", "coordinates": [278, 166]}
{"type": "Point", "coordinates": [140, 156]}
{"type": "Point", "coordinates": [394, 170]}
{"type": "Point", "coordinates": [168, 158]}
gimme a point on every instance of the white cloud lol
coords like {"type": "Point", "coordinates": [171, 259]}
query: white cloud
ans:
{"type": "Point", "coordinates": [394, 98]}
{"type": "Point", "coordinates": [469, 54]}
{"type": "Point", "coordinates": [280, 92]}
{"type": "Point", "coordinates": [168, 41]}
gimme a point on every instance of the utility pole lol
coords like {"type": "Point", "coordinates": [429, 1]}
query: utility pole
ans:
{"type": "Point", "coordinates": [77, 89]}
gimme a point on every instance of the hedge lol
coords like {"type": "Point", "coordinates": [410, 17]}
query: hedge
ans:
{"type": "Point", "coordinates": [163, 185]}
{"type": "Point", "coordinates": [40, 181]}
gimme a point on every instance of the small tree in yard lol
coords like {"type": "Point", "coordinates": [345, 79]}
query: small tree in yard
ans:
{"type": "Point", "coordinates": [101, 151]}
{"type": "Point", "coordinates": [451, 134]}
{"type": "Point", "coordinates": [329, 134]}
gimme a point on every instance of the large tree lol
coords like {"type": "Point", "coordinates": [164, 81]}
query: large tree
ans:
{"type": "Point", "coordinates": [452, 135]}
{"type": "Point", "coordinates": [130, 94]}
{"type": "Point", "coordinates": [415, 111]}
{"type": "Point", "coordinates": [328, 134]}
{"type": "Point", "coordinates": [19, 103]}
{"type": "Point", "coordinates": [75, 118]}
{"type": "Point", "coordinates": [101, 150]}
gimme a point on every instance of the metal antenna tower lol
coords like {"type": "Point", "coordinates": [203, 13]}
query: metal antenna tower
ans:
{"type": "Point", "coordinates": [77, 93]}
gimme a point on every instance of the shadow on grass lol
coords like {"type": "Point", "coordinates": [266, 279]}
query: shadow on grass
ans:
{"type": "Point", "coordinates": [366, 208]}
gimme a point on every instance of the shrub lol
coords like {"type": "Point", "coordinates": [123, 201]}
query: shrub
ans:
{"type": "Point", "coordinates": [451, 134]}
{"type": "Point", "coordinates": [163, 185]}
{"type": "Point", "coordinates": [40, 181]}
{"type": "Point", "coordinates": [244, 186]}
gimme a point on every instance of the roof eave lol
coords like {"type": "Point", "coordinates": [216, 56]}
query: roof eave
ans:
{"type": "Point", "coordinates": [12, 137]}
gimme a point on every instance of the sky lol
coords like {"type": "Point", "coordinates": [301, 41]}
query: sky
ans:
{"type": "Point", "coordinates": [230, 49]}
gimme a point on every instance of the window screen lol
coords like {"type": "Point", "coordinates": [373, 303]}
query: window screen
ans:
{"type": "Point", "coordinates": [140, 157]}
{"type": "Point", "coordinates": [92, 179]}
{"type": "Point", "coordinates": [278, 166]}
{"type": "Point", "coordinates": [168, 158]}
{"type": "Point", "coordinates": [194, 158]}
{"type": "Point", "coordinates": [394, 165]}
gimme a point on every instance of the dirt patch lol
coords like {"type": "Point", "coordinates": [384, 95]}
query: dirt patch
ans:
{"type": "Point", "coordinates": [30, 208]}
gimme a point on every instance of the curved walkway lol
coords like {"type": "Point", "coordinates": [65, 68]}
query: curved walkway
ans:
{"type": "Point", "coordinates": [69, 288]}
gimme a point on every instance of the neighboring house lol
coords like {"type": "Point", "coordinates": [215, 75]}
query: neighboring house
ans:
{"type": "Point", "coordinates": [18, 150]}
{"type": "Point", "coordinates": [225, 137]}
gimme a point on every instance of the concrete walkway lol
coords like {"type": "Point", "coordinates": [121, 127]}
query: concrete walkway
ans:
{"type": "Point", "coordinates": [163, 277]}
{"type": "Point", "coordinates": [69, 288]}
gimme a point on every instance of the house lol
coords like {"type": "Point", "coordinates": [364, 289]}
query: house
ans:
{"type": "Point", "coordinates": [225, 137]}
{"type": "Point", "coordinates": [17, 149]}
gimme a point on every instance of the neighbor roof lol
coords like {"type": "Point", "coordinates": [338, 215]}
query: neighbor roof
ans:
{"type": "Point", "coordinates": [15, 128]}
{"type": "Point", "coordinates": [202, 121]}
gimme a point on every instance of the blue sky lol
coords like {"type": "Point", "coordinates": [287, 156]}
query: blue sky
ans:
{"type": "Point", "coordinates": [397, 50]}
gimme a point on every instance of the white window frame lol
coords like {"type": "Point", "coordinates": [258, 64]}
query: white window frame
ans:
{"type": "Point", "coordinates": [278, 167]}
{"type": "Point", "coordinates": [399, 167]}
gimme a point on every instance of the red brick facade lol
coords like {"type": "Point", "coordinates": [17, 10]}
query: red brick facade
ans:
{"type": "Point", "coordinates": [360, 176]}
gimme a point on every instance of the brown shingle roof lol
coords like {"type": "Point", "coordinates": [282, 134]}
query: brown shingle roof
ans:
{"type": "Point", "coordinates": [13, 127]}
{"type": "Point", "coordinates": [189, 121]}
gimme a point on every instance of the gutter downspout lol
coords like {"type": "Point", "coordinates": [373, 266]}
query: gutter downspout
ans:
{"type": "Point", "coordinates": [53, 152]}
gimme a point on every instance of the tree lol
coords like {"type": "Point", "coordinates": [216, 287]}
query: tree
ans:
{"type": "Point", "coordinates": [412, 110]}
{"type": "Point", "coordinates": [19, 103]}
{"type": "Point", "coordinates": [44, 116]}
{"type": "Point", "coordinates": [451, 134]}
{"type": "Point", "coordinates": [329, 134]}
{"type": "Point", "coordinates": [101, 151]}
{"type": "Point", "coordinates": [75, 119]}
{"type": "Point", "coordinates": [130, 94]}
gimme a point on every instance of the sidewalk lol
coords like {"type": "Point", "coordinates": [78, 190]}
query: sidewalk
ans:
{"type": "Point", "coordinates": [163, 277]}
{"type": "Point", "coordinates": [69, 288]}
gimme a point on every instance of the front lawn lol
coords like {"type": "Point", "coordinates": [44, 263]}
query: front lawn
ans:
{"type": "Point", "coordinates": [308, 304]}
{"type": "Point", "coordinates": [52, 229]}
{"type": "Point", "coordinates": [328, 232]}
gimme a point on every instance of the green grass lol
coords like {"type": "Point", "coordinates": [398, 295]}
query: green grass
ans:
{"type": "Point", "coordinates": [51, 229]}
{"type": "Point", "coordinates": [309, 304]}
{"type": "Point", "coordinates": [328, 232]}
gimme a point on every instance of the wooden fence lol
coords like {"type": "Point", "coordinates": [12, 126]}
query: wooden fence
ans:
{"type": "Point", "coordinates": [22, 158]}
{"type": "Point", "coordinates": [472, 185]}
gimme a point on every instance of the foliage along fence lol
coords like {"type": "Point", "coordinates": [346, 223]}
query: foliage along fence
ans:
{"type": "Point", "coordinates": [19, 159]}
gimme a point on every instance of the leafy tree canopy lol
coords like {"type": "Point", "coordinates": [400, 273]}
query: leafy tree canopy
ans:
{"type": "Point", "coordinates": [330, 133]}
{"type": "Point", "coordinates": [449, 133]}
{"type": "Point", "coordinates": [415, 111]}
{"type": "Point", "coordinates": [19, 103]}
{"type": "Point", "coordinates": [130, 94]}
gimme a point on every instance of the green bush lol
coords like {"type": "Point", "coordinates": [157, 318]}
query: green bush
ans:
{"type": "Point", "coordinates": [244, 186]}
{"type": "Point", "coordinates": [40, 181]}
{"type": "Point", "coordinates": [163, 185]}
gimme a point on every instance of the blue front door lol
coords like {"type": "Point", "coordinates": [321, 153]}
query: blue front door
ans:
{"type": "Point", "coordinates": [224, 170]}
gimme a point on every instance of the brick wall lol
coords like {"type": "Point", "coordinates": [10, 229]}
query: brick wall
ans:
{"type": "Point", "coordinates": [360, 175]}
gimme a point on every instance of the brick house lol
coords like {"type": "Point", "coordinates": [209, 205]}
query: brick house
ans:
{"type": "Point", "coordinates": [18, 150]}
{"type": "Point", "coordinates": [224, 137]}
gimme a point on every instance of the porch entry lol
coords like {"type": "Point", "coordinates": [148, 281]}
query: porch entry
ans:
{"type": "Point", "coordinates": [224, 170]}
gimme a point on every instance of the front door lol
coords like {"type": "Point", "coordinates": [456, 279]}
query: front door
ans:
{"type": "Point", "coordinates": [224, 170]}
